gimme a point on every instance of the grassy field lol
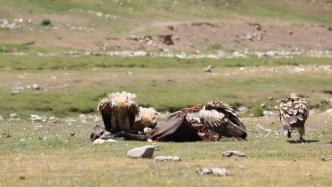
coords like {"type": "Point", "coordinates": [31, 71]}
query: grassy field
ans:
{"type": "Point", "coordinates": [72, 85]}
{"type": "Point", "coordinates": [45, 154]}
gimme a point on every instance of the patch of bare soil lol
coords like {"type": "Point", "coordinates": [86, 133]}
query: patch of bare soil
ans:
{"type": "Point", "coordinates": [235, 35]}
{"type": "Point", "coordinates": [241, 34]}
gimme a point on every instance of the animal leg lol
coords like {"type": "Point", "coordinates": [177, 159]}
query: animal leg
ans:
{"type": "Point", "coordinates": [289, 133]}
{"type": "Point", "coordinates": [301, 132]}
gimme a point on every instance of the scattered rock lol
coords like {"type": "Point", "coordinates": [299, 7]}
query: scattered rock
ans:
{"type": "Point", "coordinates": [22, 177]}
{"type": "Point", "coordinates": [269, 113]}
{"type": "Point", "coordinates": [208, 69]}
{"type": "Point", "coordinates": [35, 86]}
{"type": "Point", "coordinates": [141, 152]}
{"type": "Point", "coordinates": [323, 158]}
{"type": "Point", "coordinates": [99, 141]}
{"type": "Point", "coordinates": [14, 92]}
{"type": "Point", "coordinates": [14, 117]}
{"type": "Point", "coordinates": [72, 133]}
{"type": "Point", "coordinates": [243, 109]}
{"type": "Point", "coordinates": [52, 119]}
{"type": "Point", "coordinates": [110, 140]}
{"type": "Point", "coordinates": [233, 153]}
{"type": "Point", "coordinates": [214, 171]}
{"type": "Point", "coordinates": [36, 118]}
{"type": "Point", "coordinates": [83, 118]}
{"type": "Point", "coordinates": [328, 111]}
{"type": "Point", "coordinates": [1, 118]}
{"type": "Point", "coordinates": [167, 158]}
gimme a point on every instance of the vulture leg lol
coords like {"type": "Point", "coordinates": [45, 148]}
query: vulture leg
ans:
{"type": "Point", "coordinates": [301, 132]}
{"type": "Point", "coordinates": [289, 133]}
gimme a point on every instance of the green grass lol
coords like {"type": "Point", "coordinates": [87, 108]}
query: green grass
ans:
{"type": "Point", "coordinates": [183, 87]}
{"type": "Point", "coordinates": [33, 62]}
{"type": "Point", "coordinates": [69, 161]}
{"type": "Point", "coordinates": [146, 9]}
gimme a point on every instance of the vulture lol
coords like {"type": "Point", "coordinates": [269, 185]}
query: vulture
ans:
{"type": "Point", "coordinates": [294, 112]}
{"type": "Point", "coordinates": [220, 118]}
{"type": "Point", "coordinates": [118, 111]}
{"type": "Point", "coordinates": [146, 119]}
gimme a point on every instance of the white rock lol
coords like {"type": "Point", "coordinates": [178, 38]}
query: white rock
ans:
{"type": "Point", "coordinates": [36, 118]}
{"type": "Point", "coordinates": [243, 109]}
{"type": "Point", "coordinates": [167, 158]}
{"type": "Point", "coordinates": [141, 152]}
{"type": "Point", "coordinates": [52, 119]}
{"type": "Point", "coordinates": [233, 153]}
{"type": "Point", "coordinates": [328, 112]}
{"type": "Point", "coordinates": [111, 141]}
{"type": "Point", "coordinates": [14, 116]}
{"type": "Point", "coordinates": [214, 171]}
{"type": "Point", "coordinates": [35, 87]}
{"type": "Point", "coordinates": [99, 141]}
{"type": "Point", "coordinates": [1, 118]}
{"type": "Point", "coordinates": [269, 113]}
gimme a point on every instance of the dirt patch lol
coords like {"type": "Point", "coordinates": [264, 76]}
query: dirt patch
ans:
{"type": "Point", "coordinates": [235, 35]}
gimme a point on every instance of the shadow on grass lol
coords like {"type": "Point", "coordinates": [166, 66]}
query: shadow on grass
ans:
{"type": "Point", "coordinates": [301, 141]}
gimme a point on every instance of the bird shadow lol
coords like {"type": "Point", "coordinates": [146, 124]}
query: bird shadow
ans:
{"type": "Point", "coordinates": [301, 141]}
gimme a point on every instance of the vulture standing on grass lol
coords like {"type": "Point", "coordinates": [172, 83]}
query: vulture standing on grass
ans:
{"type": "Point", "coordinates": [219, 117]}
{"type": "Point", "coordinates": [294, 112]}
{"type": "Point", "coordinates": [118, 111]}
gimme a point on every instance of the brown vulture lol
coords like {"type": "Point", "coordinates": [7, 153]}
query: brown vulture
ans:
{"type": "Point", "coordinates": [294, 112]}
{"type": "Point", "coordinates": [118, 111]}
{"type": "Point", "coordinates": [219, 117]}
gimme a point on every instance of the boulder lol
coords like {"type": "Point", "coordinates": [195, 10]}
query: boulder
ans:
{"type": "Point", "coordinates": [141, 152]}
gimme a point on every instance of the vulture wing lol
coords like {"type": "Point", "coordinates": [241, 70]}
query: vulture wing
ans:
{"type": "Point", "coordinates": [105, 109]}
{"type": "Point", "coordinates": [293, 111]}
{"type": "Point", "coordinates": [227, 111]}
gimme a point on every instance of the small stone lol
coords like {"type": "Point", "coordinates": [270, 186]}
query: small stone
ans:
{"type": "Point", "coordinates": [328, 112]}
{"type": "Point", "coordinates": [52, 119]}
{"type": "Point", "coordinates": [214, 171]}
{"type": "Point", "coordinates": [243, 109]}
{"type": "Point", "coordinates": [263, 105]}
{"type": "Point", "coordinates": [22, 177]}
{"type": "Point", "coordinates": [269, 113]}
{"type": "Point", "coordinates": [35, 86]}
{"type": "Point", "coordinates": [36, 118]}
{"type": "Point", "coordinates": [14, 92]}
{"type": "Point", "coordinates": [14, 116]}
{"type": "Point", "coordinates": [203, 171]}
{"type": "Point", "coordinates": [99, 141]}
{"type": "Point", "coordinates": [141, 152]}
{"type": "Point", "coordinates": [111, 141]}
{"type": "Point", "coordinates": [323, 158]}
{"type": "Point", "coordinates": [167, 158]}
{"type": "Point", "coordinates": [1, 118]}
{"type": "Point", "coordinates": [220, 171]}
{"type": "Point", "coordinates": [208, 69]}
{"type": "Point", "coordinates": [233, 153]}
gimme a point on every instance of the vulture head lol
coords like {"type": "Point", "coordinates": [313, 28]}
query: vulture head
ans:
{"type": "Point", "coordinates": [147, 117]}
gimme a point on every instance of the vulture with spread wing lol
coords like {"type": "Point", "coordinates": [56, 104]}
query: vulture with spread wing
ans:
{"type": "Point", "coordinates": [219, 117]}
{"type": "Point", "coordinates": [294, 112]}
{"type": "Point", "coordinates": [118, 111]}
